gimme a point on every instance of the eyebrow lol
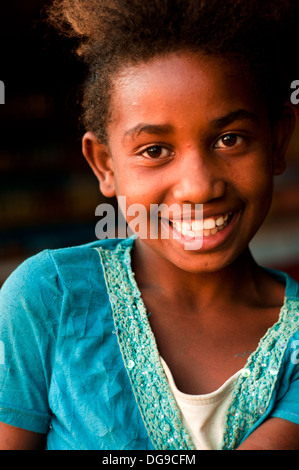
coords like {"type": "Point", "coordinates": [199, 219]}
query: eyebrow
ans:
{"type": "Point", "coordinates": [158, 129]}
{"type": "Point", "coordinates": [164, 129]}
{"type": "Point", "coordinates": [240, 114]}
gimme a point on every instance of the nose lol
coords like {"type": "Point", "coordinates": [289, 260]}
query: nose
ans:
{"type": "Point", "coordinates": [199, 179]}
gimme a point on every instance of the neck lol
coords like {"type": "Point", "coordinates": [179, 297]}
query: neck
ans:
{"type": "Point", "coordinates": [236, 283]}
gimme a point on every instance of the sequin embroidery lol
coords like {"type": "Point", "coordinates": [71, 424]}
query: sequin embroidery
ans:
{"type": "Point", "coordinates": [254, 387]}
{"type": "Point", "coordinates": [159, 410]}
{"type": "Point", "coordinates": [157, 405]}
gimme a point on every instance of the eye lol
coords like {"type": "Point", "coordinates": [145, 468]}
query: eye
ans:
{"type": "Point", "coordinates": [228, 141]}
{"type": "Point", "coordinates": [156, 151]}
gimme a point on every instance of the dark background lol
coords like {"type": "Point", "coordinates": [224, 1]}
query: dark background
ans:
{"type": "Point", "coordinates": [48, 194]}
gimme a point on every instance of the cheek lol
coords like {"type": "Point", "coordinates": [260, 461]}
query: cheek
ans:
{"type": "Point", "coordinates": [134, 197]}
{"type": "Point", "coordinates": [137, 186]}
{"type": "Point", "coordinates": [256, 179]}
{"type": "Point", "coordinates": [263, 185]}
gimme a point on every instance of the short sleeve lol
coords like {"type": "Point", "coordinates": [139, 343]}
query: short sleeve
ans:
{"type": "Point", "coordinates": [29, 306]}
{"type": "Point", "coordinates": [287, 406]}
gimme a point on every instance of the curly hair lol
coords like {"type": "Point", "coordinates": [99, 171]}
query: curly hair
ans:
{"type": "Point", "coordinates": [111, 34]}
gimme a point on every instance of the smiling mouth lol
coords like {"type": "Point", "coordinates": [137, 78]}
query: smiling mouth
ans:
{"type": "Point", "coordinates": [201, 228]}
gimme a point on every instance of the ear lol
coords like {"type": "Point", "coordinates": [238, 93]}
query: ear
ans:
{"type": "Point", "coordinates": [282, 133]}
{"type": "Point", "coordinates": [100, 161]}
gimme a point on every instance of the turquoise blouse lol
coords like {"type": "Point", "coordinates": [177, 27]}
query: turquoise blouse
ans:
{"type": "Point", "coordinates": [79, 362]}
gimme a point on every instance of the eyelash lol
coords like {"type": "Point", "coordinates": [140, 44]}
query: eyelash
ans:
{"type": "Point", "coordinates": [229, 134]}
{"type": "Point", "coordinates": [160, 147]}
{"type": "Point", "coordinates": [170, 152]}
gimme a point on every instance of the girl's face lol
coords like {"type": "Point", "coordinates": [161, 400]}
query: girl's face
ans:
{"type": "Point", "coordinates": [191, 129]}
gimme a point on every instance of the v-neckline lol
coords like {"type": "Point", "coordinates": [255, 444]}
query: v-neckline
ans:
{"type": "Point", "coordinates": [141, 357]}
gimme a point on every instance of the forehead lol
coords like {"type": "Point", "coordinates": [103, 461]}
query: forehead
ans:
{"type": "Point", "coordinates": [204, 87]}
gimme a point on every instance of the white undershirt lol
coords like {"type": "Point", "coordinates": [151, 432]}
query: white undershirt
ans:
{"type": "Point", "coordinates": [203, 415]}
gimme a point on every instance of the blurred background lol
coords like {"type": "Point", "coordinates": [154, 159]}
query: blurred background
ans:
{"type": "Point", "coordinates": [48, 194]}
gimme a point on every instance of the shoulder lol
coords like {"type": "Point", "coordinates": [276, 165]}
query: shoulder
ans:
{"type": "Point", "coordinates": [55, 265]}
{"type": "Point", "coordinates": [46, 280]}
{"type": "Point", "coordinates": [81, 266]}
{"type": "Point", "coordinates": [269, 385]}
{"type": "Point", "coordinates": [287, 350]}
{"type": "Point", "coordinates": [287, 330]}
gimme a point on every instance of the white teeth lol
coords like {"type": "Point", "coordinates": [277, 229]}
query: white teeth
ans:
{"type": "Point", "coordinates": [209, 224]}
{"type": "Point", "coordinates": [197, 225]}
{"type": "Point", "coordinates": [190, 234]}
{"type": "Point", "coordinates": [186, 226]}
{"type": "Point", "coordinates": [199, 228]}
{"type": "Point", "coordinates": [220, 221]}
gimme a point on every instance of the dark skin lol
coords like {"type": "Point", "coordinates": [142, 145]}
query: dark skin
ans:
{"type": "Point", "coordinates": [214, 367]}
{"type": "Point", "coordinates": [203, 339]}
{"type": "Point", "coordinates": [207, 306]}
{"type": "Point", "coordinates": [12, 438]}
{"type": "Point", "coordinates": [206, 346]}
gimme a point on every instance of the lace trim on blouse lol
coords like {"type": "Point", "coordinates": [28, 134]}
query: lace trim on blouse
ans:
{"type": "Point", "coordinates": [153, 395]}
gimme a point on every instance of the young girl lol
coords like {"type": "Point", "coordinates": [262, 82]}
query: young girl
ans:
{"type": "Point", "coordinates": [140, 343]}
